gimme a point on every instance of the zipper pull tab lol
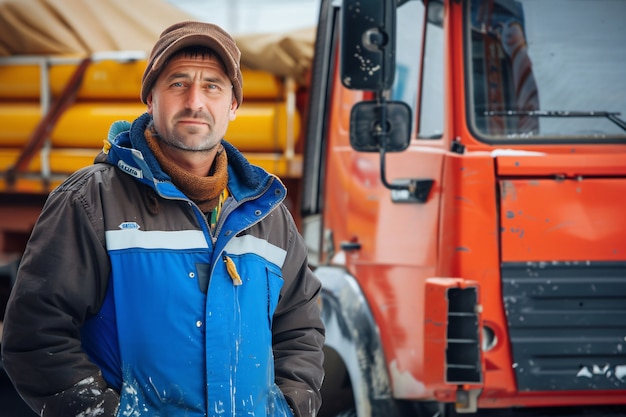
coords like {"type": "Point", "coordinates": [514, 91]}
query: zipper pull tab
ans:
{"type": "Point", "coordinates": [232, 271]}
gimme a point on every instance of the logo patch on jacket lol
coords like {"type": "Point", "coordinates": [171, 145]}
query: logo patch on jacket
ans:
{"type": "Point", "coordinates": [130, 170]}
{"type": "Point", "coordinates": [129, 226]}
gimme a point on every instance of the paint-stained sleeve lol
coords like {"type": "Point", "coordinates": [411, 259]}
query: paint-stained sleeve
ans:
{"type": "Point", "coordinates": [61, 281]}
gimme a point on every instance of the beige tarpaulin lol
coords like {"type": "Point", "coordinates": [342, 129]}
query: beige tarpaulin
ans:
{"type": "Point", "coordinates": [54, 27]}
{"type": "Point", "coordinates": [82, 26]}
{"type": "Point", "coordinates": [288, 54]}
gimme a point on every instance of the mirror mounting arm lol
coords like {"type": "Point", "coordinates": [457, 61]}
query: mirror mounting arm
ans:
{"type": "Point", "coordinates": [383, 164]}
{"type": "Point", "coordinates": [412, 190]}
{"type": "Point", "coordinates": [382, 132]}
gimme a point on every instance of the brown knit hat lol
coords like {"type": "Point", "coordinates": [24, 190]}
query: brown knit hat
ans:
{"type": "Point", "coordinates": [184, 34]}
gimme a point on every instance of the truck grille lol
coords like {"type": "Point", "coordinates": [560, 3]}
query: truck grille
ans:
{"type": "Point", "coordinates": [567, 324]}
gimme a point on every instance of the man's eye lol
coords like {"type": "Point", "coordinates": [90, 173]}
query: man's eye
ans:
{"type": "Point", "coordinates": [178, 84]}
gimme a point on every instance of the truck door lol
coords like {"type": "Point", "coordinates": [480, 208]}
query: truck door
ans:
{"type": "Point", "coordinates": [354, 199]}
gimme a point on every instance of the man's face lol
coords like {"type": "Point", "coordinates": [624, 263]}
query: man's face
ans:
{"type": "Point", "coordinates": [192, 103]}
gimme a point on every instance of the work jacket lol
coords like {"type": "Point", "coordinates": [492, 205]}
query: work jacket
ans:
{"type": "Point", "coordinates": [125, 290]}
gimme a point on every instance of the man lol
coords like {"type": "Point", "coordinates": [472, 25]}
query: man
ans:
{"type": "Point", "coordinates": [514, 44]}
{"type": "Point", "coordinates": [168, 279]}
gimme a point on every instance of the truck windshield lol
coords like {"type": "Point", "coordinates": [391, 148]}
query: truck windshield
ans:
{"type": "Point", "coordinates": [546, 70]}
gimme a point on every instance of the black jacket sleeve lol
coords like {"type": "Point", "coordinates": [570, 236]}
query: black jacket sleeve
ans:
{"type": "Point", "coordinates": [61, 281]}
{"type": "Point", "coordinates": [298, 332]}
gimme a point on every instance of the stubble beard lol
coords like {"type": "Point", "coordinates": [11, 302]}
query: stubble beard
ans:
{"type": "Point", "coordinates": [176, 140]}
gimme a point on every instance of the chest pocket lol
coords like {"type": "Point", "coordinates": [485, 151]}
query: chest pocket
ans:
{"type": "Point", "coordinates": [259, 290]}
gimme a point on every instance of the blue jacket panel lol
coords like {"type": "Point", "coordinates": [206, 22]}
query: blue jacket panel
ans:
{"type": "Point", "coordinates": [176, 335]}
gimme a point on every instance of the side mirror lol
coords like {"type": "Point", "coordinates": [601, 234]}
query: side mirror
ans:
{"type": "Point", "coordinates": [386, 127]}
{"type": "Point", "coordinates": [376, 127]}
{"type": "Point", "coordinates": [368, 44]}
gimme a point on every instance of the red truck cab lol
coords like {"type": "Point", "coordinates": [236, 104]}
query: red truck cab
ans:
{"type": "Point", "coordinates": [464, 184]}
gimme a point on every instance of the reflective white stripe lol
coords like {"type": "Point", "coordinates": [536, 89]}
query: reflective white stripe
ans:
{"type": "Point", "coordinates": [132, 238]}
{"type": "Point", "coordinates": [251, 244]}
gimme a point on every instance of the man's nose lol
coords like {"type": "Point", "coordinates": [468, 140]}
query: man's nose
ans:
{"type": "Point", "coordinates": [194, 97]}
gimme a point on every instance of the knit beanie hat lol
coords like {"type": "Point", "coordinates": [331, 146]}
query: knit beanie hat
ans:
{"type": "Point", "coordinates": [185, 34]}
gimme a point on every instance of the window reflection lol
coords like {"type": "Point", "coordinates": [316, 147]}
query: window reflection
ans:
{"type": "Point", "coordinates": [535, 75]}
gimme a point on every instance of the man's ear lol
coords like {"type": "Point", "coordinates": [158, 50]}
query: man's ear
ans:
{"type": "Point", "coordinates": [149, 103]}
{"type": "Point", "coordinates": [232, 112]}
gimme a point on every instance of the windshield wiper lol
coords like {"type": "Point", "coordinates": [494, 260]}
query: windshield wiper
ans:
{"type": "Point", "coordinates": [612, 116]}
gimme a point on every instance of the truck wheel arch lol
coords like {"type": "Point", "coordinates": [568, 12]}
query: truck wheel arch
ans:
{"type": "Point", "coordinates": [352, 346]}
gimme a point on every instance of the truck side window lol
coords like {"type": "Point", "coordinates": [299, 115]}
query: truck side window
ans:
{"type": "Point", "coordinates": [431, 109]}
{"type": "Point", "coordinates": [408, 52]}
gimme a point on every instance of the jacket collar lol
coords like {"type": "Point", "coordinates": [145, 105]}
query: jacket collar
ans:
{"type": "Point", "coordinates": [244, 179]}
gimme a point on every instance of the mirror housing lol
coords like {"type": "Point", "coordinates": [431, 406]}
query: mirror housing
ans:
{"type": "Point", "coordinates": [375, 126]}
{"type": "Point", "coordinates": [368, 44]}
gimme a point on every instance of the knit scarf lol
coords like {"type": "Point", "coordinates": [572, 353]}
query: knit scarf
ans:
{"type": "Point", "coordinates": [204, 191]}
